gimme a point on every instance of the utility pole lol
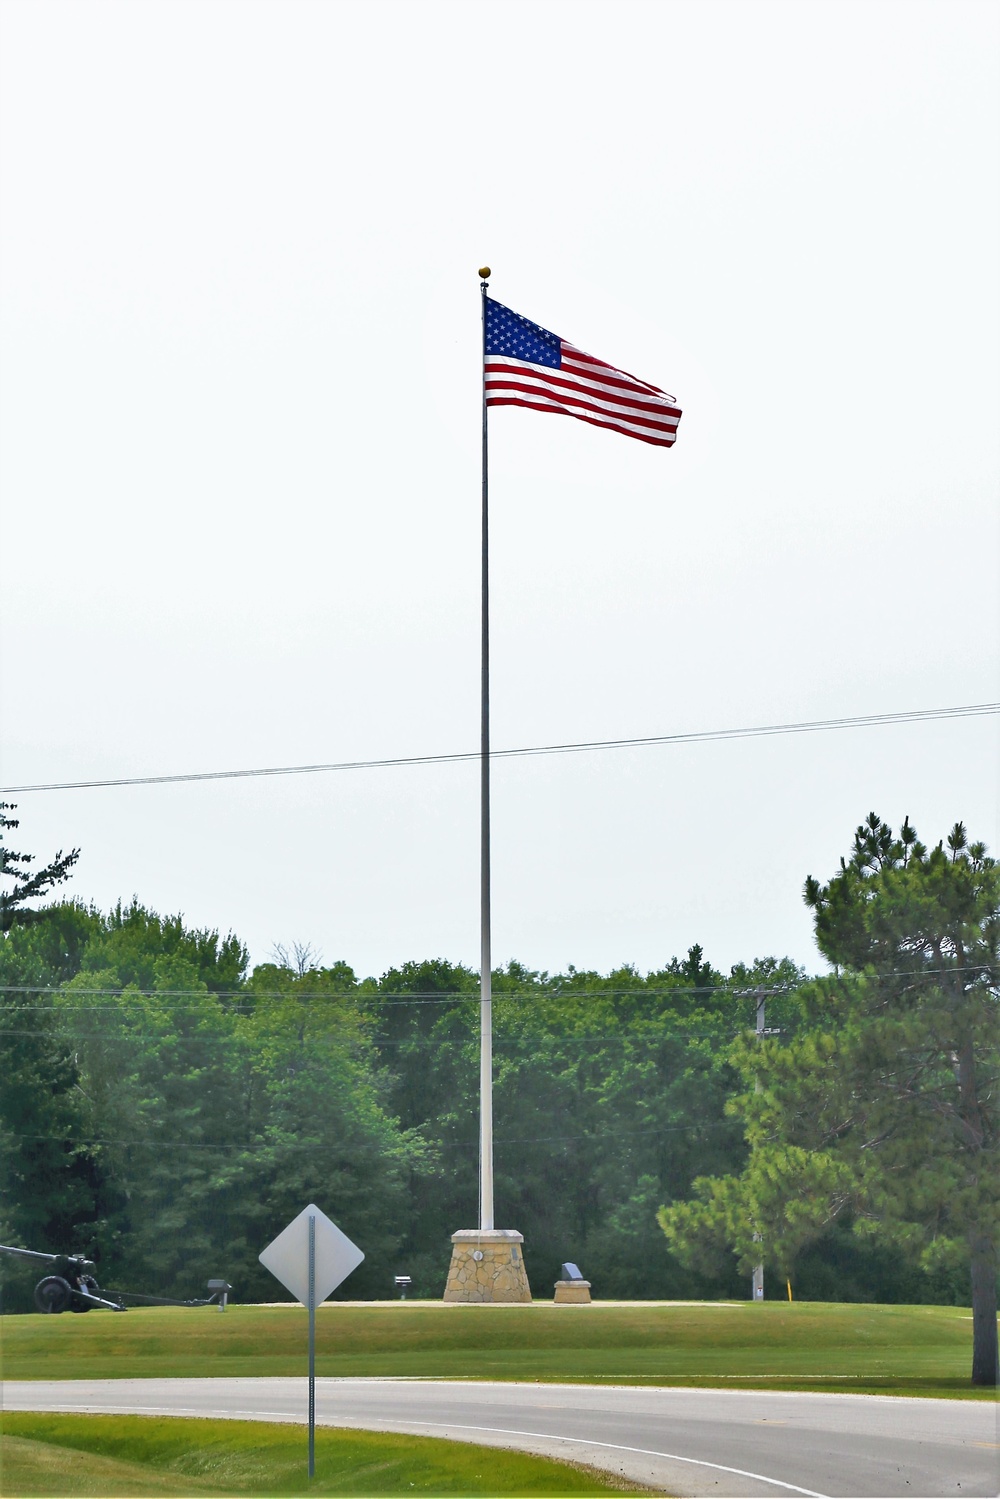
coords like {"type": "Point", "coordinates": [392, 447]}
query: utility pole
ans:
{"type": "Point", "coordinates": [758, 1270]}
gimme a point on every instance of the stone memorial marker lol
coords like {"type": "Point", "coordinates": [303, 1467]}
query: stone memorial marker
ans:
{"type": "Point", "coordinates": [572, 1290]}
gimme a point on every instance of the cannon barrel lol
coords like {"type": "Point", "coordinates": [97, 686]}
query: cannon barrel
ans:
{"type": "Point", "coordinates": [45, 1259]}
{"type": "Point", "coordinates": [28, 1254]}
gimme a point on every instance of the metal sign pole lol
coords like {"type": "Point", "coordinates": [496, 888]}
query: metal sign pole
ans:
{"type": "Point", "coordinates": [311, 1257]}
{"type": "Point", "coordinates": [312, 1345]}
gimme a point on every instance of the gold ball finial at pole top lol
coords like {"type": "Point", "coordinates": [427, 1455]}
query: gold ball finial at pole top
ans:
{"type": "Point", "coordinates": [484, 272]}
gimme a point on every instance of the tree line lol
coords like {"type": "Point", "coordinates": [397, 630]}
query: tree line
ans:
{"type": "Point", "coordinates": [166, 1109]}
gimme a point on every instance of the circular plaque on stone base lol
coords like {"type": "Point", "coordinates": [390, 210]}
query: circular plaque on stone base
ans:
{"type": "Point", "coordinates": [487, 1265]}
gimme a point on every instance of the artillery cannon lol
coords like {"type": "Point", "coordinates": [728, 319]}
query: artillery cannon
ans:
{"type": "Point", "coordinates": [72, 1286]}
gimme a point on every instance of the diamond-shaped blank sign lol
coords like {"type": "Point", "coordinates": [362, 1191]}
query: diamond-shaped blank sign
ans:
{"type": "Point", "coordinates": [287, 1256]}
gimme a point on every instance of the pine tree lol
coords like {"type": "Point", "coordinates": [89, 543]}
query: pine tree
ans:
{"type": "Point", "coordinates": [13, 910]}
{"type": "Point", "coordinates": [883, 1104]}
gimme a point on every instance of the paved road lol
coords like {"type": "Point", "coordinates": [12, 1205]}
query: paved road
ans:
{"type": "Point", "coordinates": [683, 1441]}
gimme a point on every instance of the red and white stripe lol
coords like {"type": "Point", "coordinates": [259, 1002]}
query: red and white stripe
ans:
{"type": "Point", "coordinates": [586, 388]}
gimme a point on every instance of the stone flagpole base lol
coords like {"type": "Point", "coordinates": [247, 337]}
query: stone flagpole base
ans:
{"type": "Point", "coordinates": [487, 1265]}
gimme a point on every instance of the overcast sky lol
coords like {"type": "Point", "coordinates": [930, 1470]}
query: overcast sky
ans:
{"type": "Point", "coordinates": [241, 428]}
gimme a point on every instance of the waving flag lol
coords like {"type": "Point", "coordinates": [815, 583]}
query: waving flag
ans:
{"type": "Point", "coordinates": [528, 366]}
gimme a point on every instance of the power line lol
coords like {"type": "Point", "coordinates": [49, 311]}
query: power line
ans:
{"type": "Point", "coordinates": [434, 1145]}
{"type": "Point", "coordinates": [363, 999]}
{"type": "Point", "coordinates": [511, 1043]}
{"type": "Point", "coordinates": [861, 721]}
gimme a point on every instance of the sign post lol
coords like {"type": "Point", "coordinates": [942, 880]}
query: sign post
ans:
{"type": "Point", "coordinates": [312, 1345]}
{"type": "Point", "coordinates": [311, 1257]}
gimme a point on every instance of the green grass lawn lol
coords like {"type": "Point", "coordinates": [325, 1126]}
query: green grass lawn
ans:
{"type": "Point", "coordinates": [113, 1456]}
{"type": "Point", "coordinates": [907, 1350]}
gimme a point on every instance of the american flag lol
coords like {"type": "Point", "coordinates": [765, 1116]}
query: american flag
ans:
{"type": "Point", "coordinates": [528, 366]}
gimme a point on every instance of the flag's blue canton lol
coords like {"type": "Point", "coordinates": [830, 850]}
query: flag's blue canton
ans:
{"type": "Point", "coordinates": [509, 333]}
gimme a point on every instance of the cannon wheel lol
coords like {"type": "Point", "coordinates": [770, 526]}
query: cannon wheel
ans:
{"type": "Point", "coordinates": [53, 1294]}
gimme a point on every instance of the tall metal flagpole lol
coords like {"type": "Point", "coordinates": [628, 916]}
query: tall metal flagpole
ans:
{"type": "Point", "coordinates": [485, 974]}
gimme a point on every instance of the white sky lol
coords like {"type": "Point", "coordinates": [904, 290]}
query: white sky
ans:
{"type": "Point", "coordinates": [240, 407]}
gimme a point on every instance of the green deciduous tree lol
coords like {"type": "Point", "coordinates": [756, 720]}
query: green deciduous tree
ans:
{"type": "Point", "coordinates": [609, 1092]}
{"type": "Point", "coordinates": [45, 1186]}
{"type": "Point", "coordinates": [322, 1131]}
{"type": "Point", "coordinates": [883, 1104]}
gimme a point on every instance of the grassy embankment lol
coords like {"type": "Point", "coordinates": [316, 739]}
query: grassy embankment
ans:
{"type": "Point", "coordinates": [903, 1350]}
{"type": "Point", "coordinates": [113, 1456]}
